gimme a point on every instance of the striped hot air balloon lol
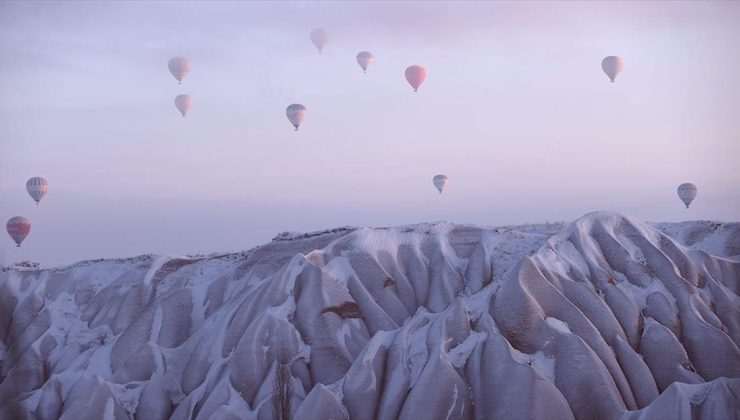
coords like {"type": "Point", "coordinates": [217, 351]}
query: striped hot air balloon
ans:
{"type": "Point", "coordinates": [37, 188]}
{"type": "Point", "coordinates": [440, 182]}
{"type": "Point", "coordinates": [687, 193]}
{"type": "Point", "coordinates": [179, 67]}
{"type": "Point", "coordinates": [18, 228]}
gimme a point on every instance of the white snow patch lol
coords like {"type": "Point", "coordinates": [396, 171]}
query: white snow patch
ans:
{"type": "Point", "coordinates": [454, 403]}
{"type": "Point", "coordinates": [543, 364]}
{"type": "Point", "coordinates": [157, 263]}
{"type": "Point", "coordinates": [458, 355]}
{"type": "Point", "coordinates": [558, 325]}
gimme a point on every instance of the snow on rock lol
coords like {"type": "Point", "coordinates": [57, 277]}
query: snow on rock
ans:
{"type": "Point", "coordinates": [718, 399]}
{"type": "Point", "coordinates": [321, 403]}
{"type": "Point", "coordinates": [606, 317]}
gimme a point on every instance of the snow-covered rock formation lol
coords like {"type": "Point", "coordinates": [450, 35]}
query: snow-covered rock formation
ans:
{"type": "Point", "coordinates": [603, 318]}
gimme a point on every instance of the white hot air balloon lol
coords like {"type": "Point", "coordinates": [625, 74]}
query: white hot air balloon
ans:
{"type": "Point", "coordinates": [296, 114]}
{"type": "Point", "coordinates": [687, 193]}
{"type": "Point", "coordinates": [179, 67]}
{"type": "Point", "coordinates": [612, 66]}
{"type": "Point", "coordinates": [37, 188]}
{"type": "Point", "coordinates": [365, 59]}
{"type": "Point", "coordinates": [183, 103]}
{"type": "Point", "coordinates": [320, 38]}
{"type": "Point", "coordinates": [416, 75]}
{"type": "Point", "coordinates": [18, 228]}
{"type": "Point", "coordinates": [440, 182]}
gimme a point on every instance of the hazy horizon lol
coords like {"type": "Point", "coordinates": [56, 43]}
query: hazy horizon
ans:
{"type": "Point", "coordinates": [515, 110]}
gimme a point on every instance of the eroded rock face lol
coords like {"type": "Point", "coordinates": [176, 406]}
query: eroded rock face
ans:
{"type": "Point", "coordinates": [596, 319]}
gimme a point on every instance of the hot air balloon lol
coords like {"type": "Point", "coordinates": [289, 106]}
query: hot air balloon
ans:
{"type": "Point", "coordinates": [319, 37]}
{"type": "Point", "coordinates": [612, 66]}
{"type": "Point", "coordinates": [440, 182]}
{"type": "Point", "coordinates": [415, 75]}
{"type": "Point", "coordinates": [18, 228]}
{"type": "Point", "coordinates": [364, 59]}
{"type": "Point", "coordinates": [37, 188]}
{"type": "Point", "coordinates": [183, 103]}
{"type": "Point", "coordinates": [179, 67]}
{"type": "Point", "coordinates": [687, 193]}
{"type": "Point", "coordinates": [296, 114]}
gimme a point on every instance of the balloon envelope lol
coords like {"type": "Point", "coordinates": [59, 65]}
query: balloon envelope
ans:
{"type": "Point", "coordinates": [416, 75]}
{"type": "Point", "coordinates": [364, 59]}
{"type": "Point", "coordinates": [179, 67]}
{"type": "Point", "coordinates": [183, 103]}
{"type": "Point", "coordinates": [320, 38]}
{"type": "Point", "coordinates": [440, 182]}
{"type": "Point", "coordinates": [18, 228]}
{"type": "Point", "coordinates": [37, 188]}
{"type": "Point", "coordinates": [687, 193]}
{"type": "Point", "coordinates": [296, 114]}
{"type": "Point", "coordinates": [612, 66]}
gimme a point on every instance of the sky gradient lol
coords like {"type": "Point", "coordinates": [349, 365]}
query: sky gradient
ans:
{"type": "Point", "coordinates": [515, 110]}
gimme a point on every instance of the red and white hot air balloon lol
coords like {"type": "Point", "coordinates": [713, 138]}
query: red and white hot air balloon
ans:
{"type": "Point", "coordinates": [179, 67]}
{"type": "Point", "coordinates": [416, 75]}
{"type": "Point", "coordinates": [18, 228]}
{"type": "Point", "coordinates": [37, 188]}
{"type": "Point", "coordinates": [183, 103]}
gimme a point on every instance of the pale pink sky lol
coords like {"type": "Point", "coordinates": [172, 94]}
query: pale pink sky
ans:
{"type": "Point", "coordinates": [516, 111]}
